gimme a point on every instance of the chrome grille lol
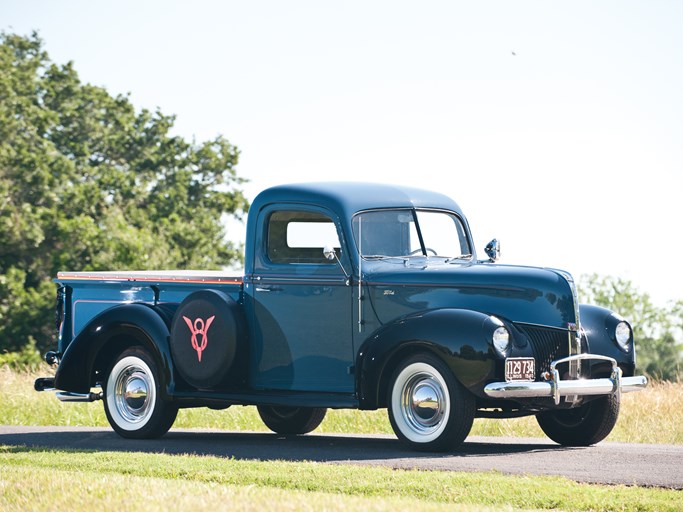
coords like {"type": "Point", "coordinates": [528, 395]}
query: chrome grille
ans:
{"type": "Point", "coordinates": [548, 344]}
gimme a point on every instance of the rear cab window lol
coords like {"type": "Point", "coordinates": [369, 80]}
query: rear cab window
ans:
{"type": "Point", "coordinates": [299, 237]}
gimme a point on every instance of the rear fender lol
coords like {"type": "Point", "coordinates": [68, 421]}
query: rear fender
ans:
{"type": "Point", "coordinates": [461, 338]}
{"type": "Point", "coordinates": [89, 356]}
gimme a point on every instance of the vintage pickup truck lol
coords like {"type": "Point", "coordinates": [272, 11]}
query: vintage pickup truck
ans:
{"type": "Point", "coordinates": [353, 296]}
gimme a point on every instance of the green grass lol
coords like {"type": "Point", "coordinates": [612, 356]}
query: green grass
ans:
{"type": "Point", "coordinates": [651, 416]}
{"type": "Point", "coordinates": [41, 479]}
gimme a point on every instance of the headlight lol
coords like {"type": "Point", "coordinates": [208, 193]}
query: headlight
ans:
{"type": "Point", "coordinates": [622, 333]}
{"type": "Point", "coordinates": [501, 340]}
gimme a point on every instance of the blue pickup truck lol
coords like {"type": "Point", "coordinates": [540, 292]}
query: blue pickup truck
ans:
{"type": "Point", "coordinates": [353, 296]}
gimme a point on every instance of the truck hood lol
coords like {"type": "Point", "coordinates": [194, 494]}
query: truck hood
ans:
{"type": "Point", "coordinates": [519, 294]}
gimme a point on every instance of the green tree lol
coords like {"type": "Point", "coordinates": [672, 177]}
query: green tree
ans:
{"type": "Point", "coordinates": [88, 183]}
{"type": "Point", "coordinates": [657, 331]}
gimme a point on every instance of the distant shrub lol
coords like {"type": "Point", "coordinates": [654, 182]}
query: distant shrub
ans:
{"type": "Point", "coordinates": [28, 358]}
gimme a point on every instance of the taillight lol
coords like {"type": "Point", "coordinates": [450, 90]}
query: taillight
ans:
{"type": "Point", "coordinates": [59, 309]}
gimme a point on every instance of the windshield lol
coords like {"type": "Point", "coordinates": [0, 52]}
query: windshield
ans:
{"type": "Point", "coordinates": [404, 233]}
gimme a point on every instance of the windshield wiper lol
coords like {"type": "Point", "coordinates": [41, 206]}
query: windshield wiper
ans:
{"type": "Point", "coordinates": [383, 257]}
{"type": "Point", "coordinates": [461, 257]}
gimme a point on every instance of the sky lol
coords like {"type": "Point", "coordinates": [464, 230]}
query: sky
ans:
{"type": "Point", "coordinates": [556, 126]}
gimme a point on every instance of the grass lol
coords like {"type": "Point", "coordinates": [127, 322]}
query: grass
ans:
{"type": "Point", "coordinates": [41, 479]}
{"type": "Point", "coordinates": [48, 490]}
{"type": "Point", "coordinates": [651, 416]}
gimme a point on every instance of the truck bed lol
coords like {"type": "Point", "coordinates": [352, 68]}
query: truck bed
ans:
{"type": "Point", "coordinates": [88, 294]}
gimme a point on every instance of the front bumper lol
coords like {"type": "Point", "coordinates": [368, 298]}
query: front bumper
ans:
{"type": "Point", "coordinates": [556, 388]}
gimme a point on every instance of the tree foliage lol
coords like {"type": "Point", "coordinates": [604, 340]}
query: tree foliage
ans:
{"type": "Point", "coordinates": [657, 331]}
{"type": "Point", "coordinates": [88, 183]}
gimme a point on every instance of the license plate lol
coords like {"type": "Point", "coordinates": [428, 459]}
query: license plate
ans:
{"type": "Point", "coordinates": [519, 368]}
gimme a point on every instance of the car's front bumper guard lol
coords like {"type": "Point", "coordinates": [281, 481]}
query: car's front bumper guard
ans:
{"type": "Point", "coordinates": [554, 387]}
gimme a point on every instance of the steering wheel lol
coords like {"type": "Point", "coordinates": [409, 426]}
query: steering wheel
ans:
{"type": "Point", "coordinates": [427, 249]}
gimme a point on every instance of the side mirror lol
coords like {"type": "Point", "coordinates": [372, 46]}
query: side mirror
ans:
{"type": "Point", "coordinates": [492, 250]}
{"type": "Point", "coordinates": [328, 252]}
{"type": "Point", "coordinates": [331, 255]}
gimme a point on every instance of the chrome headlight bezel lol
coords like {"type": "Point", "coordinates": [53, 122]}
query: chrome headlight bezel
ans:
{"type": "Point", "coordinates": [620, 332]}
{"type": "Point", "coordinates": [500, 337]}
{"type": "Point", "coordinates": [501, 340]}
{"type": "Point", "coordinates": [623, 336]}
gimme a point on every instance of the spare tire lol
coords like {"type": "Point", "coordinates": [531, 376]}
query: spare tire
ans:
{"type": "Point", "coordinates": [208, 337]}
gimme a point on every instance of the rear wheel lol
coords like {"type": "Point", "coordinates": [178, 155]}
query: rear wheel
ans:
{"type": "Point", "coordinates": [584, 425]}
{"type": "Point", "coordinates": [291, 420]}
{"type": "Point", "coordinates": [428, 408]}
{"type": "Point", "coordinates": [132, 400]}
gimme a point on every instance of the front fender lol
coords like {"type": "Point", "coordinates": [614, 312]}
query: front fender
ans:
{"type": "Point", "coordinates": [461, 338]}
{"type": "Point", "coordinates": [598, 325]}
{"type": "Point", "coordinates": [93, 351]}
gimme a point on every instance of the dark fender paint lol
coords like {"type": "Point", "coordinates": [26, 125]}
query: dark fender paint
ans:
{"type": "Point", "coordinates": [123, 325]}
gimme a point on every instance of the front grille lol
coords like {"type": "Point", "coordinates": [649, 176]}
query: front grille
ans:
{"type": "Point", "coordinates": [548, 344]}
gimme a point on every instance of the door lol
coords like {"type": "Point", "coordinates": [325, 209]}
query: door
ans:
{"type": "Point", "coordinates": [301, 333]}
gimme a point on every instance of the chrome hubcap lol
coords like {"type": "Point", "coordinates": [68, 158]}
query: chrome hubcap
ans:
{"type": "Point", "coordinates": [134, 391]}
{"type": "Point", "coordinates": [423, 403]}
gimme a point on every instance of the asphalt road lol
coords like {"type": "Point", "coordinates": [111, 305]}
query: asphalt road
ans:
{"type": "Point", "coordinates": [606, 463]}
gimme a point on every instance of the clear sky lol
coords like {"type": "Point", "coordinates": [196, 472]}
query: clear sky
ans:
{"type": "Point", "coordinates": [557, 126]}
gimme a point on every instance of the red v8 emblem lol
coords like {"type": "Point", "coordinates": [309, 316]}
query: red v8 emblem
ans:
{"type": "Point", "coordinates": [199, 328]}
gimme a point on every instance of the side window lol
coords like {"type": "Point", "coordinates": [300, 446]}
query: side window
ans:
{"type": "Point", "coordinates": [300, 237]}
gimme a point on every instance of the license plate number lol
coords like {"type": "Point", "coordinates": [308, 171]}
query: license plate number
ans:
{"type": "Point", "coordinates": [519, 368]}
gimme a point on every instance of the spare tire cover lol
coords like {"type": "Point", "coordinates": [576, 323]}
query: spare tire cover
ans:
{"type": "Point", "coordinates": [206, 334]}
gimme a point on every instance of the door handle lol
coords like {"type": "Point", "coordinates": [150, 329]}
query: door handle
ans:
{"type": "Point", "coordinates": [266, 288]}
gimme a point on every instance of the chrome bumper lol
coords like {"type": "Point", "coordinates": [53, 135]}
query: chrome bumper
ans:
{"type": "Point", "coordinates": [48, 384]}
{"type": "Point", "coordinates": [66, 396]}
{"type": "Point", "coordinates": [554, 387]}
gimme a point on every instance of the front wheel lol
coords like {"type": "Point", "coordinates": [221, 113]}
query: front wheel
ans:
{"type": "Point", "coordinates": [131, 397]}
{"type": "Point", "coordinates": [291, 420]}
{"type": "Point", "coordinates": [583, 426]}
{"type": "Point", "coordinates": [428, 408]}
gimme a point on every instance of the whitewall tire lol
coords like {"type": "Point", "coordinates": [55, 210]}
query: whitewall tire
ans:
{"type": "Point", "coordinates": [132, 399]}
{"type": "Point", "coordinates": [428, 408]}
